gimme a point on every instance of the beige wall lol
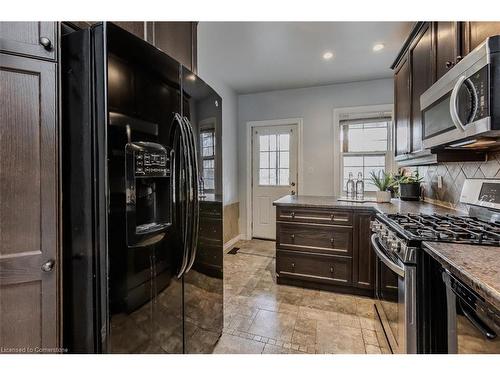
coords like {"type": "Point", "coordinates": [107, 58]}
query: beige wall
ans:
{"type": "Point", "coordinates": [231, 221]}
{"type": "Point", "coordinates": [454, 175]}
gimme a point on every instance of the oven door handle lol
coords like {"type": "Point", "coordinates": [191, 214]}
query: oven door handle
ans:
{"type": "Point", "coordinates": [389, 263]}
{"type": "Point", "coordinates": [453, 104]}
{"type": "Point", "coordinates": [476, 322]}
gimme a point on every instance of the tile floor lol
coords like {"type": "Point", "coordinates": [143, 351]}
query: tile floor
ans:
{"type": "Point", "coordinates": [261, 316]}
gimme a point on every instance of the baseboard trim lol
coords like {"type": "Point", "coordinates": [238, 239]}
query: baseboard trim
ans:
{"type": "Point", "coordinates": [231, 242]}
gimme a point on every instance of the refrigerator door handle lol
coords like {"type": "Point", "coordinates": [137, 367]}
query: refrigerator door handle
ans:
{"type": "Point", "coordinates": [194, 182]}
{"type": "Point", "coordinates": [183, 191]}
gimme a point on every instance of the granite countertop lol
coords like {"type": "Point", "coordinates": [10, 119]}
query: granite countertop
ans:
{"type": "Point", "coordinates": [476, 266]}
{"type": "Point", "coordinates": [396, 205]}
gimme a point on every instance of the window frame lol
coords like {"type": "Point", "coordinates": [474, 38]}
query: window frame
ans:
{"type": "Point", "coordinates": [384, 111]}
{"type": "Point", "coordinates": [208, 127]}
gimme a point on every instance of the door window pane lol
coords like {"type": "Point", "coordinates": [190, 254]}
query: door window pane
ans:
{"type": "Point", "coordinates": [274, 159]}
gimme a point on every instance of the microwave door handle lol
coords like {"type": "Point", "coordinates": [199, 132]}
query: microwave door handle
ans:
{"type": "Point", "coordinates": [389, 263]}
{"type": "Point", "coordinates": [477, 322]}
{"type": "Point", "coordinates": [194, 181]}
{"type": "Point", "coordinates": [453, 104]}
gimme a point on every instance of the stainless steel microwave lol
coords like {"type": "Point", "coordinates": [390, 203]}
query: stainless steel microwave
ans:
{"type": "Point", "coordinates": [462, 108]}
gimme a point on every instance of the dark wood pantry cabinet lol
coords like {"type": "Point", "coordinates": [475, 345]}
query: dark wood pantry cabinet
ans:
{"type": "Point", "coordinates": [430, 51]}
{"type": "Point", "coordinates": [29, 190]}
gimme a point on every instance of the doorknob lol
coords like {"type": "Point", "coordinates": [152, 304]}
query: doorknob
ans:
{"type": "Point", "coordinates": [48, 266]}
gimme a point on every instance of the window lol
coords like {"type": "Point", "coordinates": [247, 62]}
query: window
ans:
{"type": "Point", "coordinates": [274, 154]}
{"type": "Point", "coordinates": [207, 140]}
{"type": "Point", "coordinates": [364, 145]}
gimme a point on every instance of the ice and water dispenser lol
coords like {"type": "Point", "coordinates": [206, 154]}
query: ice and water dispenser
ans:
{"type": "Point", "coordinates": [148, 192]}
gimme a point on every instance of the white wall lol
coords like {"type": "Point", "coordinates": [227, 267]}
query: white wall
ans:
{"type": "Point", "coordinates": [315, 105]}
{"type": "Point", "coordinates": [229, 119]}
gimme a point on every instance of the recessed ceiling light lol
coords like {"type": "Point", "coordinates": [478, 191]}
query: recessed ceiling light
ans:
{"type": "Point", "coordinates": [378, 47]}
{"type": "Point", "coordinates": [328, 55]}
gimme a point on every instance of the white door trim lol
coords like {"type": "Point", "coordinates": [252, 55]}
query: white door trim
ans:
{"type": "Point", "coordinates": [337, 113]}
{"type": "Point", "coordinates": [249, 169]}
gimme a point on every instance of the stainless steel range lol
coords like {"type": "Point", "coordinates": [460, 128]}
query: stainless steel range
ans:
{"type": "Point", "coordinates": [396, 241]}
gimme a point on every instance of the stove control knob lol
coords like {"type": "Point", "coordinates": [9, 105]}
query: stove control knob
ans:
{"type": "Point", "coordinates": [394, 245]}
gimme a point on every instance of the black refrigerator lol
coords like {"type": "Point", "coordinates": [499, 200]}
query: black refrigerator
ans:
{"type": "Point", "coordinates": [142, 198]}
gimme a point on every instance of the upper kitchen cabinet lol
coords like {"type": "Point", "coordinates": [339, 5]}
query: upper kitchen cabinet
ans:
{"type": "Point", "coordinates": [476, 32]}
{"type": "Point", "coordinates": [177, 39]}
{"type": "Point", "coordinates": [402, 108]}
{"type": "Point", "coordinates": [35, 39]}
{"type": "Point", "coordinates": [422, 77]}
{"type": "Point", "coordinates": [134, 27]}
{"type": "Point", "coordinates": [447, 37]}
{"type": "Point", "coordinates": [429, 52]}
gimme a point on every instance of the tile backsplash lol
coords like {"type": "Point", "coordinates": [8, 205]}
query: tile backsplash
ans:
{"type": "Point", "coordinates": [454, 175]}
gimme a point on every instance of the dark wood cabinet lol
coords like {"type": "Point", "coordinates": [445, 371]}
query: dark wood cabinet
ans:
{"type": "Point", "coordinates": [29, 236]}
{"type": "Point", "coordinates": [421, 78]}
{"type": "Point", "coordinates": [134, 27]}
{"type": "Point", "coordinates": [429, 52]}
{"type": "Point", "coordinates": [447, 43]}
{"type": "Point", "coordinates": [179, 40]}
{"type": "Point", "coordinates": [325, 248]}
{"type": "Point", "coordinates": [402, 108]}
{"type": "Point", "coordinates": [474, 33]}
{"type": "Point", "coordinates": [36, 39]}
{"type": "Point", "coordinates": [364, 268]}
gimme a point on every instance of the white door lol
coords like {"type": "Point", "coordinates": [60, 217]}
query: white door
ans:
{"type": "Point", "coordinates": [274, 174]}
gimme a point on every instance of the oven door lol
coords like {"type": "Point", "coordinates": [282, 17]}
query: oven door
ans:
{"type": "Point", "coordinates": [396, 294]}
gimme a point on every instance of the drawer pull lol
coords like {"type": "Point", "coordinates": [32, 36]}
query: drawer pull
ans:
{"type": "Point", "coordinates": [292, 215]}
{"type": "Point", "coordinates": [332, 241]}
{"type": "Point", "coordinates": [292, 236]}
{"type": "Point", "coordinates": [293, 267]}
{"type": "Point", "coordinates": [333, 218]}
{"type": "Point", "coordinates": [331, 270]}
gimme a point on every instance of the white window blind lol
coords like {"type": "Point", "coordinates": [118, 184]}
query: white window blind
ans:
{"type": "Point", "coordinates": [364, 146]}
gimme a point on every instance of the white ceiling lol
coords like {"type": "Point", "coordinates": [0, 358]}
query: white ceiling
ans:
{"type": "Point", "coordinates": [262, 56]}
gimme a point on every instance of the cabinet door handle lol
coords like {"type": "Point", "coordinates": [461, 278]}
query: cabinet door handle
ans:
{"type": "Point", "coordinates": [293, 267]}
{"type": "Point", "coordinates": [292, 236]}
{"type": "Point", "coordinates": [46, 43]}
{"type": "Point", "coordinates": [331, 270]}
{"type": "Point", "coordinates": [292, 215]}
{"type": "Point", "coordinates": [449, 64]}
{"type": "Point", "coordinates": [332, 241]}
{"type": "Point", "coordinates": [459, 58]}
{"type": "Point", "coordinates": [48, 266]}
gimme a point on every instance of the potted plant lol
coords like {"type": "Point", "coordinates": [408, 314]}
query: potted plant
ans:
{"type": "Point", "coordinates": [383, 181]}
{"type": "Point", "coordinates": [409, 186]}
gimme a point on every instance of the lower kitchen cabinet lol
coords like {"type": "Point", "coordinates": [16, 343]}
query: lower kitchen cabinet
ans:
{"type": "Point", "coordinates": [325, 248]}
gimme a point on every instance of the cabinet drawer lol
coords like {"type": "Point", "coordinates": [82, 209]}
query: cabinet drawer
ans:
{"type": "Point", "coordinates": [311, 215]}
{"type": "Point", "coordinates": [314, 267]}
{"type": "Point", "coordinates": [315, 238]}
